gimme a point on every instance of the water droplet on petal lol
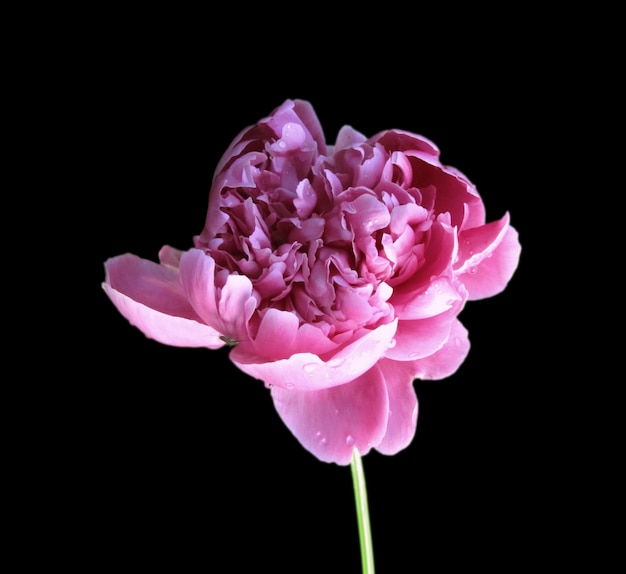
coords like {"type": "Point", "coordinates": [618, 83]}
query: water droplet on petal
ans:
{"type": "Point", "coordinates": [310, 368]}
{"type": "Point", "coordinates": [473, 269]}
{"type": "Point", "coordinates": [334, 363]}
{"type": "Point", "coordinates": [289, 386]}
{"type": "Point", "coordinates": [323, 441]}
{"type": "Point", "coordinates": [350, 440]}
{"type": "Point", "coordinates": [392, 343]}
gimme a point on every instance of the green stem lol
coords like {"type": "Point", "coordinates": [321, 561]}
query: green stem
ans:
{"type": "Point", "coordinates": [362, 513]}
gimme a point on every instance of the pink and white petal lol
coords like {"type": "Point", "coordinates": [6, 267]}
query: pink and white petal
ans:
{"type": "Point", "coordinates": [309, 372]}
{"type": "Point", "coordinates": [399, 376]}
{"type": "Point", "coordinates": [490, 274]}
{"type": "Point", "coordinates": [447, 360]}
{"type": "Point", "coordinates": [331, 423]}
{"type": "Point", "coordinates": [167, 329]}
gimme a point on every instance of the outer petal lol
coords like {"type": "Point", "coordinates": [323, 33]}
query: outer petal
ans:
{"type": "Point", "coordinates": [495, 252]}
{"type": "Point", "coordinates": [418, 339]}
{"type": "Point", "coordinates": [332, 422]}
{"type": "Point", "coordinates": [402, 406]}
{"type": "Point", "coordinates": [151, 298]}
{"type": "Point", "coordinates": [309, 372]}
{"type": "Point", "coordinates": [448, 359]}
{"type": "Point", "coordinates": [439, 296]}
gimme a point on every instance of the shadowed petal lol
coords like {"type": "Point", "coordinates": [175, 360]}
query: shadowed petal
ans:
{"type": "Point", "coordinates": [332, 422]}
{"type": "Point", "coordinates": [403, 409]}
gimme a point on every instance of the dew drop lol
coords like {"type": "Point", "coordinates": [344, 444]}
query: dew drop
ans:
{"type": "Point", "coordinates": [473, 269]}
{"type": "Point", "coordinates": [310, 368]}
{"type": "Point", "coordinates": [323, 441]}
{"type": "Point", "coordinates": [350, 440]}
{"type": "Point", "coordinates": [392, 343]}
{"type": "Point", "coordinates": [334, 363]}
{"type": "Point", "coordinates": [457, 341]}
{"type": "Point", "coordinates": [318, 434]}
{"type": "Point", "coordinates": [289, 386]}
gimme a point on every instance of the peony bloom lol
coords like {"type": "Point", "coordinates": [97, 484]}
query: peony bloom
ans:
{"type": "Point", "coordinates": [337, 274]}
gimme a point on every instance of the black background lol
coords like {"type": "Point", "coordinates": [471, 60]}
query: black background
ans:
{"type": "Point", "coordinates": [167, 457]}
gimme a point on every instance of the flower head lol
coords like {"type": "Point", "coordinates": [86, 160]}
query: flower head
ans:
{"type": "Point", "coordinates": [337, 273]}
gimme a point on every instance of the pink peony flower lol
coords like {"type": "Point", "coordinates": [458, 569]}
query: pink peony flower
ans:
{"type": "Point", "coordinates": [336, 272]}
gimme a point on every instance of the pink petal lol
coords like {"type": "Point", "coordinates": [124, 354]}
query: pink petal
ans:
{"type": "Point", "coordinates": [439, 296]}
{"type": "Point", "coordinates": [155, 286]}
{"type": "Point", "coordinates": [403, 409]}
{"type": "Point", "coordinates": [421, 338]}
{"type": "Point", "coordinates": [331, 423]}
{"type": "Point", "coordinates": [446, 360]}
{"type": "Point", "coordinates": [439, 254]}
{"type": "Point", "coordinates": [308, 116]}
{"type": "Point", "coordinates": [282, 326]}
{"type": "Point", "coordinates": [403, 140]}
{"type": "Point", "coordinates": [151, 298]}
{"type": "Point", "coordinates": [227, 310]}
{"type": "Point", "coordinates": [347, 137]}
{"type": "Point", "coordinates": [490, 257]}
{"type": "Point", "coordinates": [276, 326]}
{"type": "Point", "coordinates": [308, 372]}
